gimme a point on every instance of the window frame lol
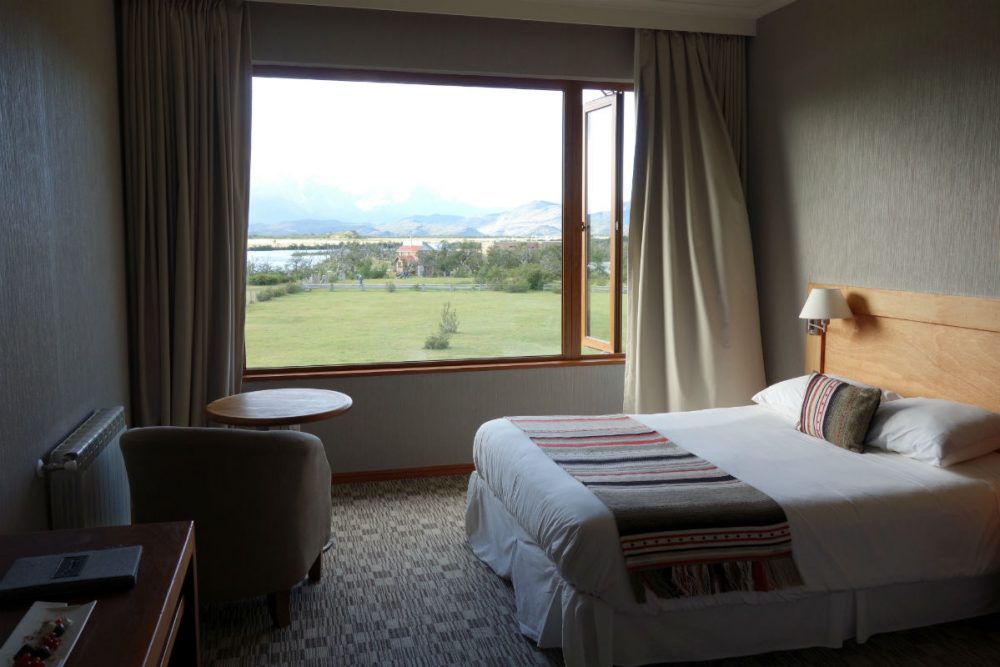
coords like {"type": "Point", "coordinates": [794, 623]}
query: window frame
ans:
{"type": "Point", "coordinates": [614, 345]}
{"type": "Point", "coordinates": [573, 223]}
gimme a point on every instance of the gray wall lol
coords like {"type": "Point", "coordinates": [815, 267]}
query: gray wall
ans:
{"type": "Point", "coordinates": [412, 421]}
{"type": "Point", "coordinates": [62, 334]}
{"type": "Point", "coordinates": [366, 39]}
{"type": "Point", "coordinates": [874, 154]}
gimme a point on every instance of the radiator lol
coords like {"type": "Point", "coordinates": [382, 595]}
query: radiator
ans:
{"type": "Point", "coordinates": [86, 474]}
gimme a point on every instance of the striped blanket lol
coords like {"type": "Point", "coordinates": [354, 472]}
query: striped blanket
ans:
{"type": "Point", "coordinates": [686, 527]}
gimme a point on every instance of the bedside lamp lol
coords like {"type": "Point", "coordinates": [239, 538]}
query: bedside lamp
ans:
{"type": "Point", "coordinates": [824, 304]}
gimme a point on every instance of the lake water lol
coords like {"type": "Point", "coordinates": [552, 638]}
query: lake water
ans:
{"type": "Point", "coordinates": [280, 259]}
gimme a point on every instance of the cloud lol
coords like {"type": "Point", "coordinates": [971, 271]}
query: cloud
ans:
{"type": "Point", "coordinates": [482, 147]}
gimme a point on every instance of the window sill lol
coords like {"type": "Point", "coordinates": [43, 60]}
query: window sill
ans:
{"type": "Point", "coordinates": [421, 368]}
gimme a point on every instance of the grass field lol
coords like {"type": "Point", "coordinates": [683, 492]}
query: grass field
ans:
{"type": "Point", "coordinates": [355, 327]}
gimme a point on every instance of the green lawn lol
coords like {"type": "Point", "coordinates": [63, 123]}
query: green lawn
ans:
{"type": "Point", "coordinates": [344, 327]}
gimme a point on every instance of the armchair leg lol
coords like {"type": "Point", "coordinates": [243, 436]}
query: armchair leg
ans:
{"type": "Point", "coordinates": [280, 606]}
{"type": "Point", "coordinates": [316, 570]}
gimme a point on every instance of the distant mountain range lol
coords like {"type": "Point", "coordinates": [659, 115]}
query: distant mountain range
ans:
{"type": "Point", "coordinates": [534, 219]}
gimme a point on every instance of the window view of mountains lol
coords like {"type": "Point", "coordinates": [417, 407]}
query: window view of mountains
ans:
{"type": "Point", "coordinates": [536, 219]}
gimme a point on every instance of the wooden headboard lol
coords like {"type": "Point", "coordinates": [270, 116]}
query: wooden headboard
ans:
{"type": "Point", "coordinates": [916, 344]}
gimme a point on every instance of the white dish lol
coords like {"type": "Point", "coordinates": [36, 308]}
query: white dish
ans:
{"type": "Point", "coordinates": [31, 625]}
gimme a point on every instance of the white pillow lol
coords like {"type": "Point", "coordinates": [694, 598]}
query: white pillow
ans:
{"type": "Point", "coordinates": [786, 397]}
{"type": "Point", "coordinates": [935, 431]}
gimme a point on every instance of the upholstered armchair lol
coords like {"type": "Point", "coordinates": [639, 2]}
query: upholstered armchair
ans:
{"type": "Point", "coordinates": [260, 501]}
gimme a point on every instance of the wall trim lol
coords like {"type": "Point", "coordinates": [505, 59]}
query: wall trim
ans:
{"type": "Point", "coordinates": [401, 473]}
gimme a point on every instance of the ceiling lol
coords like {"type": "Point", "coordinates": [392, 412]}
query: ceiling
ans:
{"type": "Point", "coordinates": [721, 16]}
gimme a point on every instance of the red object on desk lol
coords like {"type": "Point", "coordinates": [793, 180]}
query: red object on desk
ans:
{"type": "Point", "coordinates": [153, 623]}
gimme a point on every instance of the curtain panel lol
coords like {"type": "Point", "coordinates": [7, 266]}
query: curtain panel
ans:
{"type": "Point", "coordinates": [694, 332]}
{"type": "Point", "coordinates": [186, 79]}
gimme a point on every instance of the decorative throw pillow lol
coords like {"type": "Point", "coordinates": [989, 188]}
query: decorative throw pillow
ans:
{"type": "Point", "coordinates": [786, 397]}
{"type": "Point", "coordinates": [837, 411]}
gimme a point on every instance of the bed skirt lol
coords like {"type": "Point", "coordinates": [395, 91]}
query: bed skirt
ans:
{"type": "Point", "coordinates": [591, 632]}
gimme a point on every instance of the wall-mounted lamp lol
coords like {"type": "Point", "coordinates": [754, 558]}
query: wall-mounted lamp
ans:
{"type": "Point", "coordinates": [824, 304]}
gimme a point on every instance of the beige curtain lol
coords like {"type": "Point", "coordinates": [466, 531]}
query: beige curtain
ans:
{"type": "Point", "coordinates": [694, 332]}
{"type": "Point", "coordinates": [186, 78]}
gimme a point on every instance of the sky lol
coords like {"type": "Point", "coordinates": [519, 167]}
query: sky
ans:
{"type": "Point", "coordinates": [384, 144]}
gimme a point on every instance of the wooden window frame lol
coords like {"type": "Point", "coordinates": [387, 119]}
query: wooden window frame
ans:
{"type": "Point", "coordinates": [572, 240]}
{"type": "Point", "coordinates": [614, 345]}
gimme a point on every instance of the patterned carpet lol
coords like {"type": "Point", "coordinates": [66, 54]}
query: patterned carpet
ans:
{"type": "Point", "coordinates": [401, 587]}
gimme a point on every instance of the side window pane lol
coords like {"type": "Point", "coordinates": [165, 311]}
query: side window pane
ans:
{"type": "Point", "coordinates": [403, 222]}
{"type": "Point", "coordinates": [599, 203]}
{"type": "Point", "coordinates": [628, 161]}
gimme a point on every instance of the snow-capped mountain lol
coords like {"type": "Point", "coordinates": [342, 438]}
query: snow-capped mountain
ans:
{"type": "Point", "coordinates": [534, 219]}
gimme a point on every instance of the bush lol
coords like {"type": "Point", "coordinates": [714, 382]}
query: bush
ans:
{"type": "Point", "coordinates": [530, 274]}
{"type": "Point", "coordinates": [269, 293]}
{"type": "Point", "coordinates": [449, 320]}
{"type": "Point", "coordinates": [515, 285]}
{"type": "Point", "coordinates": [267, 278]}
{"type": "Point", "coordinates": [390, 286]}
{"type": "Point", "coordinates": [437, 341]}
{"type": "Point", "coordinates": [526, 277]}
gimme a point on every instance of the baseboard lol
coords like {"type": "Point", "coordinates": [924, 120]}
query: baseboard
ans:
{"type": "Point", "coordinates": [401, 473]}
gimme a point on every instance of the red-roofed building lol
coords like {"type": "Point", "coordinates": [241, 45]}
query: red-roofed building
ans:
{"type": "Point", "coordinates": [408, 260]}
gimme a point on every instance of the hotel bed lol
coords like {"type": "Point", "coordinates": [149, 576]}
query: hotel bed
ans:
{"type": "Point", "coordinates": [882, 542]}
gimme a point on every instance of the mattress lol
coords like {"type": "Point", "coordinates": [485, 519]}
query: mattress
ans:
{"type": "Point", "coordinates": [858, 521]}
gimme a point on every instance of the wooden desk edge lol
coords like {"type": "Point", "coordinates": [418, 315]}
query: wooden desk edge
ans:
{"type": "Point", "coordinates": [184, 571]}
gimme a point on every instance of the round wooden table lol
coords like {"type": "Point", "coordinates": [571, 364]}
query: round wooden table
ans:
{"type": "Point", "coordinates": [271, 408]}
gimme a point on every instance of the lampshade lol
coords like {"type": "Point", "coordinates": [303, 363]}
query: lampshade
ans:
{"type": "Point", "coordinates": [825, 303]}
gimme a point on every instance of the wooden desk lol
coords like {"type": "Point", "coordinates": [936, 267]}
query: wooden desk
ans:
{"type": "Point", "coordinates": [278, 407]}
{"type": "Point", "coordinates": [153, 623]}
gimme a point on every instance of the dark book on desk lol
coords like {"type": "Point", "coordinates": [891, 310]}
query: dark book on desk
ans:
{"type": "Point", "coordinates": [70, 573]}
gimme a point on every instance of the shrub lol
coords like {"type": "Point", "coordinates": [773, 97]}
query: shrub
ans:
{"type": "Point", "coordinates": [390, 286]}
{"type": "Point", "coordinates": [437, 341]}
{"type": "Point", "coordinates": [515, 285]}
{"type": "Point", "coordinates": [530, 274]}
{"type": "Point", "coordinates": [417, 287]}
{"type": "Point", "coordinates": [449, 320]}
{"type": "Point", "coordinates": [269, 293]}
{"type": "Point", "coordinates": [267, 278]}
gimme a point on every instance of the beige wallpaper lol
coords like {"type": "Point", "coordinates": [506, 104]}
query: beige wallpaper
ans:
{"type": "Point", "coordinates": [62, 329]}
{"type": "Point", "coordinates": [874, 154]}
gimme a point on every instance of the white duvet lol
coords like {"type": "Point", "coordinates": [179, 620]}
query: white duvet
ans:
{"type": "Point", "coordinates": [858, 520]}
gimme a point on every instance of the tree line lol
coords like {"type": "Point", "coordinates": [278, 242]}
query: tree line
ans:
{"type": "Point", "coordinates": [509, 266]}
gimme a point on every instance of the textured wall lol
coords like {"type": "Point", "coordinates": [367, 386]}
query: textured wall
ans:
{"type": "Point", "coordinates": [62, 333]}
{"type": "Point", "coordinates": [302, 35]}
{"type": "Point", "coordinates": [874, 154]}
{"type": "Point", "coordinates": [411, 421]}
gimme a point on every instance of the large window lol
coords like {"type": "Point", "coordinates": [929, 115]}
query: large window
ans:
{"type": "Point", "coordinates": [431, 221]}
